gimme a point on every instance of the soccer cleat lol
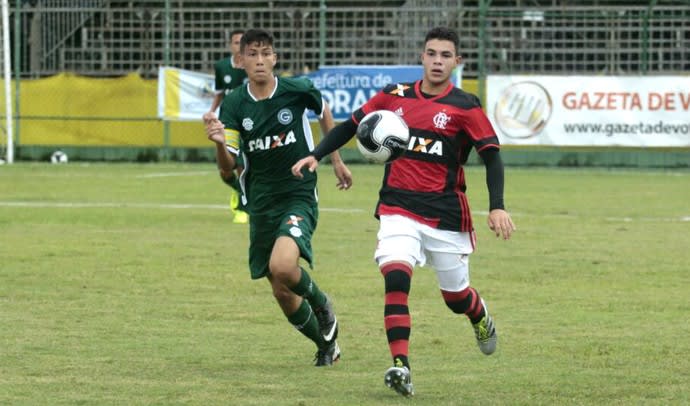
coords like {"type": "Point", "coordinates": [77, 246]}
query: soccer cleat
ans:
{"type": "Point", "coordinates": [327, 321]}
{"type": "Point", "coordinates": [240, 217]}
{"type": "Point", "coordinates": [328, 355]}
{"type": "Point", "coordinates": [399, 379]}
{"type": "Point", "coordinates": [485, 332]}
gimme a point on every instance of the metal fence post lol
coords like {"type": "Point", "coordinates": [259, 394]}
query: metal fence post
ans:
{"type": "Point", "coordinates": [17, 68]}
{"type": "Point", "coordinates": [645, 37]}
{"type": "Point", "coordinates": [322, 33]}
{"type": "Point", "coordinates": [166, 62]}
{"type": "Point", "coordinates": [481, 47]}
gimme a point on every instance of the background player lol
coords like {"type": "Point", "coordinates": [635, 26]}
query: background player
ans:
{"type": "Point", "coordinates": [268, 116]}
{"type": "Point", "coordinates": [423, 210]}
{"type": "Point", "coordinates": [230, 75]}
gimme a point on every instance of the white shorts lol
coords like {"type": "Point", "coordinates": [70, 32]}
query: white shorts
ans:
{"type": "Point", "coordinates": [402, 239]}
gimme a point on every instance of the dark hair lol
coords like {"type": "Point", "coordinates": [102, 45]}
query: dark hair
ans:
{"type": "Point", "coordinates": [256, 36]}
{"type": "Point", "coordinates": [235, 32]}
{"type": "Point", "coordinates": [443, 33]}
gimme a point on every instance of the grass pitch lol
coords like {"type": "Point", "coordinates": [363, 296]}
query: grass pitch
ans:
{"type": "Point", "coordinates": [127, 284]}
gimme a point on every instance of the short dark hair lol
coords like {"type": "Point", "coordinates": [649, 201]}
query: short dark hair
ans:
{"type": "Point", "coordinates": [235, 32]}
{"type": "Point", "coordinates": [443, 33]}
{"type": "Point", "coordinates": [256, 36]}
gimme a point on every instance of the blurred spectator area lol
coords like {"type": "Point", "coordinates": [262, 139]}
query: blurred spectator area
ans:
{"type": "Point", "coordinates": [113, 38]}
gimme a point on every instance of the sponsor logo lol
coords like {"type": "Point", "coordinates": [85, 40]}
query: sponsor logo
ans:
{"type": "Point", "coordinates": [399, 90]}
{"type": "Point", "coordinates": [294, 220]}
{"type": "Point", "coordinates": [295, 232]}
{"type": "Point", "coordinates": [523, 109]}
{"type": "Point", "coordinates": [271, 142]}
{"type": "Point", "coordinates": [425, 146]}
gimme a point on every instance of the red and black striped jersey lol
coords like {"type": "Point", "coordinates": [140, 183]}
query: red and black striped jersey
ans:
{"type": "Point", "coordinates": [427, 183]}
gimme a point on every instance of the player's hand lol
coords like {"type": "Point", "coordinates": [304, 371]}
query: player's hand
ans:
{"type": "Point", "coordinates": [208, 117]}
{"type": "Point", "coordinates": [343, 174]}
{"type": "Point", "coordinates": [309, 162]}
{"type": "Point", "coordinates": [215, 130]}
{"type": "Point", "coordinates": [500, 223]}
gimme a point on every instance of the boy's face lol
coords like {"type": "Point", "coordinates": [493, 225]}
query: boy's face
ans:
{"type": "Point", "coordinates": [235, 44]}
{"type": "Point", "coordinates": [258, 60]}
{"type": "Point", "coordinates": [439, 59]}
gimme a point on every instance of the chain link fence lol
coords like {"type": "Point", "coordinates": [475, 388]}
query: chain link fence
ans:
{"type": "Point", "coordinates": [110, 39]}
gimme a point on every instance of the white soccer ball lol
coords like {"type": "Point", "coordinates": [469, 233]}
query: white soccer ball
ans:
{"type": "Point", "coordinates": [382, 136]}
{"type": "Point", "coordinates": [58, 157]}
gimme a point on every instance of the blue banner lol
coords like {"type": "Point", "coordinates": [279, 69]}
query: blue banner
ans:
{"type": "Point", "coordinates": [347, 87]}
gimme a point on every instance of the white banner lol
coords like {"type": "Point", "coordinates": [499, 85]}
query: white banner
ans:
{"type": "Point", "coordinates": [183, 94]}
{"type": "Point", "coordinates": [649, 111]}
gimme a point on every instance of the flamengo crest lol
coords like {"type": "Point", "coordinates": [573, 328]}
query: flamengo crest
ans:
{"type": "Point", "coordinates": [441, 119]}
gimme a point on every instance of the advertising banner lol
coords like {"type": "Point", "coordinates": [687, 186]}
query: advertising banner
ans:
{"type": "Point", "coordinates": [183, 94]}
{"type": "Point", "coordinates": [187, 95]}
{"type": "Point", "coordinates": [347, 87]}
{"type": "Point", "coordinates": [631, 111]}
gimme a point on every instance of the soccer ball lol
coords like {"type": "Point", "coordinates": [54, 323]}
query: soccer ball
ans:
{"type": "Point", "coordinates": [58, 157]}
{"type": "Point", "coordinates": [382, 136]}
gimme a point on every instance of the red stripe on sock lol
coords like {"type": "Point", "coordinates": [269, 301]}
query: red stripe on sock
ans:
{"type": "Point", "coordinates": [476, 309]}
{"type": "Point", "coordinates": [396, 298]}
{"type": "Point", "coordinates": [397, 320]}
{"type": "Point", "coordinates": [396, 266]}
{"type": "Point", "coordinates": [399, 347]}
{"type": "Point", "coordinates": [455, 296]}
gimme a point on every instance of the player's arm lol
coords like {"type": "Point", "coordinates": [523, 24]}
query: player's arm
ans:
{"type": "Point", "coordinates": [341, 171]}
{"type": "Point", "coordinates": [226, 142]}
{"type": "Point", "coordinates": [217, 99]}
{"type": "Point", "coordinates": [219, 93]}
{"type": "Point", "coordinates": [499, 220]}
{"type": "Point", "coordinates": [343, 132]}
{"type": "Point", "coordinates": [335, 139]}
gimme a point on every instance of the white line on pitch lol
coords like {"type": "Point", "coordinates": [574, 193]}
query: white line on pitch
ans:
{"type": "Point", "coordinates": [76, 205]}
{"type": "Point", "coordinates": [576, 216]}
{"type": "Point", "coordinates": [170, 174]}
{"type": "Point", "coordinates": [79, 205]}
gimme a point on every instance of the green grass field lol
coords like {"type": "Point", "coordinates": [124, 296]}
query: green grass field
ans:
{"type": "Point", "coordinates": [125, 284]}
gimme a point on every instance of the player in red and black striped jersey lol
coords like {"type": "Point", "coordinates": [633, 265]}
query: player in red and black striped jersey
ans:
{"type": "Point", "coordinates": [423, 210]}
{"type": "Point", "coordinates": [428, 184]}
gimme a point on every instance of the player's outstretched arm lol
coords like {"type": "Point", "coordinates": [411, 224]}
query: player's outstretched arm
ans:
{"type": "Point", "coordinates": [342, 173]}
{"type": "Point", "coordinates": [309, 162]}
{"type": "Point", "coordinates": [217, 100]}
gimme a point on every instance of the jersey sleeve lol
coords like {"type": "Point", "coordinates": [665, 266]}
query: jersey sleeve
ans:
{"type": "Point", "coordinates": [231, 124]}
{"type": "Point", "coordinates": [377, 102]}
{"type": "Point", "coordinates": [477, 125]}
{"type": "Point", "coordinates": [313, 98]}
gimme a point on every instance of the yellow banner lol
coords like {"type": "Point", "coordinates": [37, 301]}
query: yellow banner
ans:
{"type": "Point", "coordinates": [67, 109]}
